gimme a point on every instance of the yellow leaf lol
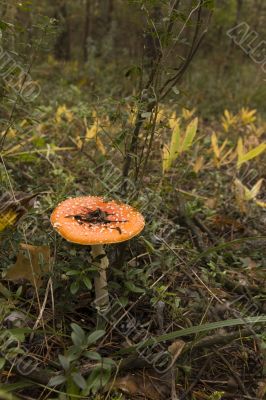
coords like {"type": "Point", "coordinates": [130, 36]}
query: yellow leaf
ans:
{"type": "Point", "coordinates": [198, 164]}
{"type": "Point", "coordinates": [258, 131]}
{"type": "Point", "coordinates": [256, 188]}
{"type": "Point", "coordinates": [187, 114]}
{"type": "Point", "coordinates": [243, 194]}
{"type": "Point", "coordinates": [51, 60]}
{"type": "Point", "coordinates": [261, 203]}
{"type": "Point", "coordinates": [132, 115]}
{"type": "Point", "coordinates": [170, 154]}
{"type": "Point", "coordinates": [160, 115]}
{"type": "Point", "coordinates": [223, 145]}
{"type": "Point", "coordinates": [247, 116]}
{"type": "Point", "coordinates": [215, 146]}
{"type": "Point", "coordinates": [11, 133]}
{"type": "Point", "coordinates": [23, 123]}
{"type": "Point", "coordinates": [224, 157]}
{"type": "Point", "coordinates": [174, 121]}
{"type": "Point", "coordinates": [14, 149]}
{"type": "Point", "coordinates": [78, 142]}
{"type": "Point", "coordinates": [62, 113]}
{"type": "Point", "coordinates": [227, 115]}
{"type": "Point", "coordinates": [100, 145]}
{"type": "Point", "coordinates": [8, 219]}
{"type": "Point", "coordinates": [251, 154]}
{"type": "Point", "coordinates": [166, 159]}
{"type": "Point", "coordinates": [219, 158]}
{"type": "Point", "coordinates": [92, 131]}
{"type": "Point", "coordinates": [32, 263]}
{"type": "Point", "coordinates": [189, 135]}
{"type": "Point", "coordinates": [240, 148]}
{"type": "Point", "coordinates": [175, 141]}
{"type": "Point", "coordinates": [246, 193]}
{"type": "Point", "coordinates": [11, 210]}
{"type": "Point", "coordinates": [228, 120]}
{"type": "Point", "coordinates": [240, 194]}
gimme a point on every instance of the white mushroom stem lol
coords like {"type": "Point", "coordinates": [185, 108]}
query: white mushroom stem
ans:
{"type": "Point", "coordinates": [100, 282]}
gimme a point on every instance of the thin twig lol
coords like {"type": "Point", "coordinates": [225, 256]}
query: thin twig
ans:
{"type": "Point", "coordinates": [233, 372]}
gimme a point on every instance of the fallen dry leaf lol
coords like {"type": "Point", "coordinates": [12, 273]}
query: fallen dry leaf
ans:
{"type": "Point", "coordinates": [249, 263]}
{"type": "Point", "coordinates": [32, 263]}
{"type": "Point", "coordinates": [145, 384]}
{"type": "Point", "coordinates": [211, 203]}
{"type": "Point", "coordinates": [199, 163]}
{"type": "Point", "coordinates": [223, 221]}
{"type": "Point", "coordinates": [261, 392]}
{"type": "Point", "coordinates": [175, 349]}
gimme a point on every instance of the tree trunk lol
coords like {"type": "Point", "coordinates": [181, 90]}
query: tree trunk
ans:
{"type": "Point", "coordinates": [258, 13]}
{"type": "Point", "coordinates": [239, 7]}
{"type": "Point", "coordinates": [151, 39]}
{"type": "Point", "coordinates": [62, 45]}
{"type": "Point", "coordinates": [87, 29]}
{"type": "Point", "coordinates": [9, 15]}
{"type": "Point", "coordinates": [109, 16]}
{"type": "Point", "coordinates": [239, 10]}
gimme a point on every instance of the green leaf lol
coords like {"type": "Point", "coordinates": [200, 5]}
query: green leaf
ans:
{"type": "Point", "coordinates": [4, 291]}
{"type": "Point", "coordinates": [122, 301]}
{"type": "Point", "coordinates": [64, 361]}
{"type": "Point", "coordinates": [196, 329]}
{"type": "Point", "coordinates": [73, 352]}
{"type": "Point", "coordinates": [133, 288]}
{"type": "Point", "coordinates": [6, 396]}
{"type": "Point", "coordinates": [4, 25]}
{"type": "Point", "coordinates": [149, 245]}
{"type": "Point", "coordinates": [71, 388]}
{"type": "Point", "coordinates": [2, 362]}
{"type": "Point", "coordinates": [74, 287]}
{"type": "Point", "coordinates": [108, 362]}
{"type": "Point", "coordinates": [11, 387]}
{"type": "Point", "coordinates": [189, 135]}
{"type": "Point", "coordinates": [72, 272]}
{"type": "Point", "coordinates": [98, 378]}
{"type": "Point", "coordinates": [39, 142]}
{"type": "Point", "coordinates": [76, 339]}
{"type": "Point", "coordinates": [78, 330]}
{"type": "Point", "coordinates": [93, 355]}
{"type": "Point", "coordinates": [18, 333]}
{"type": "Point", "coordinates": [27, 157]}
{"type": "Point", "coordinates": [57, 380]}
{"type": "Point", "coordinates": [79, 380]}
{"type": "Point", "coordinates": [78, 335]}
{"type": "Point", "coordinates": [87, 282]}
{"type": "Point", "coordinates": [94, 336]}
{"type": "Point", "coordinates": [209, 4]}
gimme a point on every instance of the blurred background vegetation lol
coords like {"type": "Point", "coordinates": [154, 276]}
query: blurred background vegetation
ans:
{"type": "Point", "coordinates": [161, 104]}
{"type": "Point", "coordinates": [109, 40]}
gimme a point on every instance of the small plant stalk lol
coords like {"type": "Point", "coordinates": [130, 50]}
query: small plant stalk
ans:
{"type": "Point", "coordinates": [100, 282]}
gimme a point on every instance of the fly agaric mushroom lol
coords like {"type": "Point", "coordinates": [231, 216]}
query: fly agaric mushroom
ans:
{"type": "Point", "coordinates": [90, 220]}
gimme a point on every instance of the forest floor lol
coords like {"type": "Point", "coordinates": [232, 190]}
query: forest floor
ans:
{"type": "Point", "coordinates": [187, 295]}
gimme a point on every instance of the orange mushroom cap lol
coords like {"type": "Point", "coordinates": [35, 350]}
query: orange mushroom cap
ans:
{"type": "Point", "coordinates": [82, 220]}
